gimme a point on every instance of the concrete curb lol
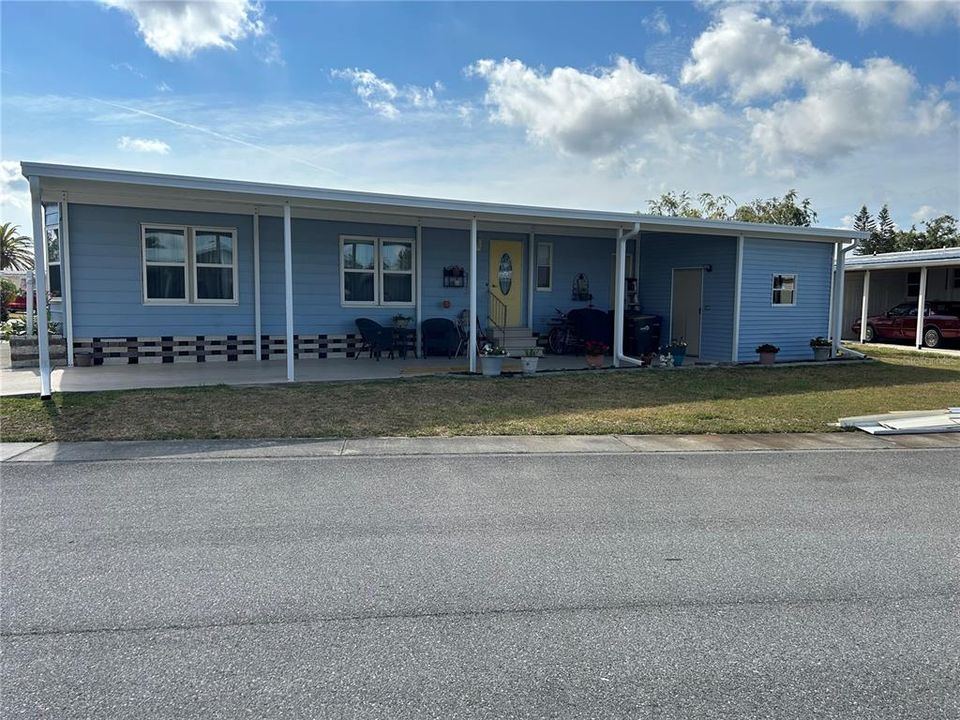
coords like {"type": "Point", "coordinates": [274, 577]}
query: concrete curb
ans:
{"type": "Point", "coordinates": [484, 445]}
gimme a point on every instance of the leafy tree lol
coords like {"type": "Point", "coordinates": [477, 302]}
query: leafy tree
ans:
{"type": "Point", "coordinates": [778, 211]}
{"type": "Point", "coordinates": [714, 207]}
{"type": "Point", "coordinates": [674, 205]}
{"type": "Point", "coordinates": [940, 232]}
{"type": "Point", "coordinates": [15, 252]}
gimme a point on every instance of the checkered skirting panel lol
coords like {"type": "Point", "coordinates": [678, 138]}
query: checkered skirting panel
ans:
{"type": "Point", "coordinates": [212, 348]}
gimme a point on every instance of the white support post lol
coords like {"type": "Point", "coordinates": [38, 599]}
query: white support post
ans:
{"type": "Point", "coordinates": [473, 295]}
{"type": "Point", "coordinates": [531, 277]}
{"type": "Point", "coordinates": [40, 267]}
{"type": "Point", "coordinates": [418, 278]}
{"type": "Point", "coordinates": [737, 301]}
{"type": "Point", "coordinates": [833, 287]}
{"type": "Point", "coordinates": [838, 297]}
{"type": "Point", "coordinates": [864, 305]}
{"type": "Point", "coordinates": [288, 285]}
{"type": "Point", "coordinates": [65, 268]}
{"type": "Point", "coordinates": [618, 298]}
{"type": "Point", "coordinates": [921, 304]}
{"type": "Point", "coordinates": [31, 288]}
{"type": "Point", "coordinates": [257, 330]}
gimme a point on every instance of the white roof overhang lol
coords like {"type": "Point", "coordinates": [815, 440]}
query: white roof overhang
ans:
{"type": "Point", "coordinates": [153, 190]}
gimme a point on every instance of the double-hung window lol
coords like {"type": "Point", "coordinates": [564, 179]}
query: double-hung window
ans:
{"type": "Point", "coordinates": [544, 266]}
{"type": "Point", "coordinates": [376, 271]}
{"type": "Point", "coordinates": [184, 264]}
{"type": "Point", "coordinates": [54, 276]}
{"type": "Point", "coordinates": [784, 289]}
{"type": "Point", "coordinates": [913, 284]}
{"type": "Point", "coordinates": [214, 267]}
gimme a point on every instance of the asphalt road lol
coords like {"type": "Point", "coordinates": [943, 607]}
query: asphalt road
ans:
{"type": "Point", "coordinates": [734, 585]}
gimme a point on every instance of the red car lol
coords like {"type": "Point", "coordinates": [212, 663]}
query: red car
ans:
{"type": "Point", "coordinates": [941, 321]}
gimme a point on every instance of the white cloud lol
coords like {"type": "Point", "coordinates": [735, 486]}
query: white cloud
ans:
{"type": "Point", "coordinates": [924, 212]}
{"type": "Point", "coordinates": [596, 113]}
{"type": "Point", "coordinates": [657, 22]}
{"type": "Point", "coordinates": [14, 192]}
{"type": "Point", "coordinates": [383, 96]}
{"type": "Point", "coordinates": [178, 28]}
{"type": "Point", "coordinates": [163, 87]}
{"type": "Point", "coordinates": [751, 56]}
{"type": "Point", "coordinates": [909, 14]}
{"type": "Point", "coordinates": [143, 145]}
{"type": "Point", "coordinates": [843, 110]}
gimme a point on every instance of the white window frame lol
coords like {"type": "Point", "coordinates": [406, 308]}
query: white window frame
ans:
{"type": "Point", "coordinates": [378, 272]}
{"type": "Point", "coordinates": [144, 263]}
{"type": "Point", "coordinates": [194, 265]}
{"type": "Point", "coordinates": [189, 265]}
{"type": "Point", "coordinates": [55, 264]}
{"type": "Point", "coordinates": [796, 286]}
{"type": "Point", "coordinates": [536, 270]}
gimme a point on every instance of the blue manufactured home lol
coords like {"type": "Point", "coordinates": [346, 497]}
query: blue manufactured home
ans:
{"type": "Point", "coordinates": [156, 268]}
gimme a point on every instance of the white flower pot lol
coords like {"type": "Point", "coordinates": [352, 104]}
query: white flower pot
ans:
{"type": "Point", "coordinates": [491, 365]}
{"type": "Point", "coordinates": [529, 364]}
{"type": "Point", "coordinates": [821, 353]}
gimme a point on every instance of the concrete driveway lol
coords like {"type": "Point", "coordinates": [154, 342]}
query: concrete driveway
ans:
{"type": "Point", "coordinates": [683, 585]}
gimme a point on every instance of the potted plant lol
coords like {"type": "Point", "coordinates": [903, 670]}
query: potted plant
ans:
{"type": "Point", "coordinates": [677, 349]}
{"type": "Point", "coordinates": [491, 359]}
{"type": "Point", "coordinates": [401, 321]}
{"type": "Point", "coordinates": [821, 348]}
{"type": "Point", "coordinates": [767, 353]}
{"type": "Point", "coordinates": [595, 350]}
{"type": "Point", "coordinates": [530, 359]}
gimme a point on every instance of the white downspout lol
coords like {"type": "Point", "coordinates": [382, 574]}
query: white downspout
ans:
{"type": "Point", "coordinates": [618, 308]}
{"type": "Point", "coordinates": [40, 268]}
{"type": "Point", "coordinates": [737, 301]}
{"type": "Point", "coordinates": [67, 299]}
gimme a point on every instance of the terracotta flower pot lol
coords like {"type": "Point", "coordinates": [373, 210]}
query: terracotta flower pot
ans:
{"type": "Point", "coordinates": [595, 361]}
{"type": "Point", "coordinates": [767, 358]}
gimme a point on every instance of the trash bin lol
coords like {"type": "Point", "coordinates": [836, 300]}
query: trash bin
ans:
{"type": "Point", "coordinates": [643, 332]}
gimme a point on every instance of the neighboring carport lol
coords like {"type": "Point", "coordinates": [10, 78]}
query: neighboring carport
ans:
{"type": "Point", "coordinates": [875, 283]}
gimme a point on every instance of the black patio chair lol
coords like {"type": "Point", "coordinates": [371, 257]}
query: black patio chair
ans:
{"type": "Point", "coordinates": [439, 337]}
{"type": "Point", "coordinates": [591, 324]}
{"type": "Point", "coordinates": [375, 337]}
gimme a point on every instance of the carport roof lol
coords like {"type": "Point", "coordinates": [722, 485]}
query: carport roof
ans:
{"type": "Point", "coordinates": [86, 184]}
{"type": "Point", "coordinates": [906, 259]}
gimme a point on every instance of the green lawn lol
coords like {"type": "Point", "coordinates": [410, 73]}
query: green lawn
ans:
{"type": "Point", "coordinates": [723, 400]}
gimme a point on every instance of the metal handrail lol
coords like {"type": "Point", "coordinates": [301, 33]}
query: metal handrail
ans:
{"type": "Point", "coordinates": [497, 315]}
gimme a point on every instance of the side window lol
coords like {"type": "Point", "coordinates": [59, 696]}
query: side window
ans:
{"type": "Point", "coordinates": [784, 290]}
{"type": "Point", "coordinates": [544, 266]}
{"type": "Point", "coordinates": [165, 263]}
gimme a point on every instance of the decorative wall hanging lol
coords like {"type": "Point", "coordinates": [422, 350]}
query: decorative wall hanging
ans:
{"type": "Point", "coordinates": [581, 289]}
{"type": "Point", "coordinates": [454, 276]}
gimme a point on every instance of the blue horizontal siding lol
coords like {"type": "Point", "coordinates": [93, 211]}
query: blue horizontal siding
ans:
{"type": "Point", "coordinates": [788, 327]}
{"type": "Point", "coordinates": [571, 256]}
{"type": "Point", "coordinates": [105, 268]}
{"type": "Point", "coordinates": [661, 253]}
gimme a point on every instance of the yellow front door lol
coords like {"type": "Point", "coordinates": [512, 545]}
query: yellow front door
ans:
{"type": "Point", "coordinates": [506, 279]}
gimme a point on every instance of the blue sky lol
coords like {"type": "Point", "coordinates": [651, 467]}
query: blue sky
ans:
{"type": "Point", "coordinates": [600, 105]}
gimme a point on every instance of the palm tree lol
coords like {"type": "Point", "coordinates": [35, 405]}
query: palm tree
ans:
{"type": "Point", "coordinates": [15, 251]}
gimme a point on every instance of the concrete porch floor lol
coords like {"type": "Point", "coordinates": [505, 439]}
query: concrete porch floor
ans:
{"type": "Point", "coordinates": [26, 381]}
